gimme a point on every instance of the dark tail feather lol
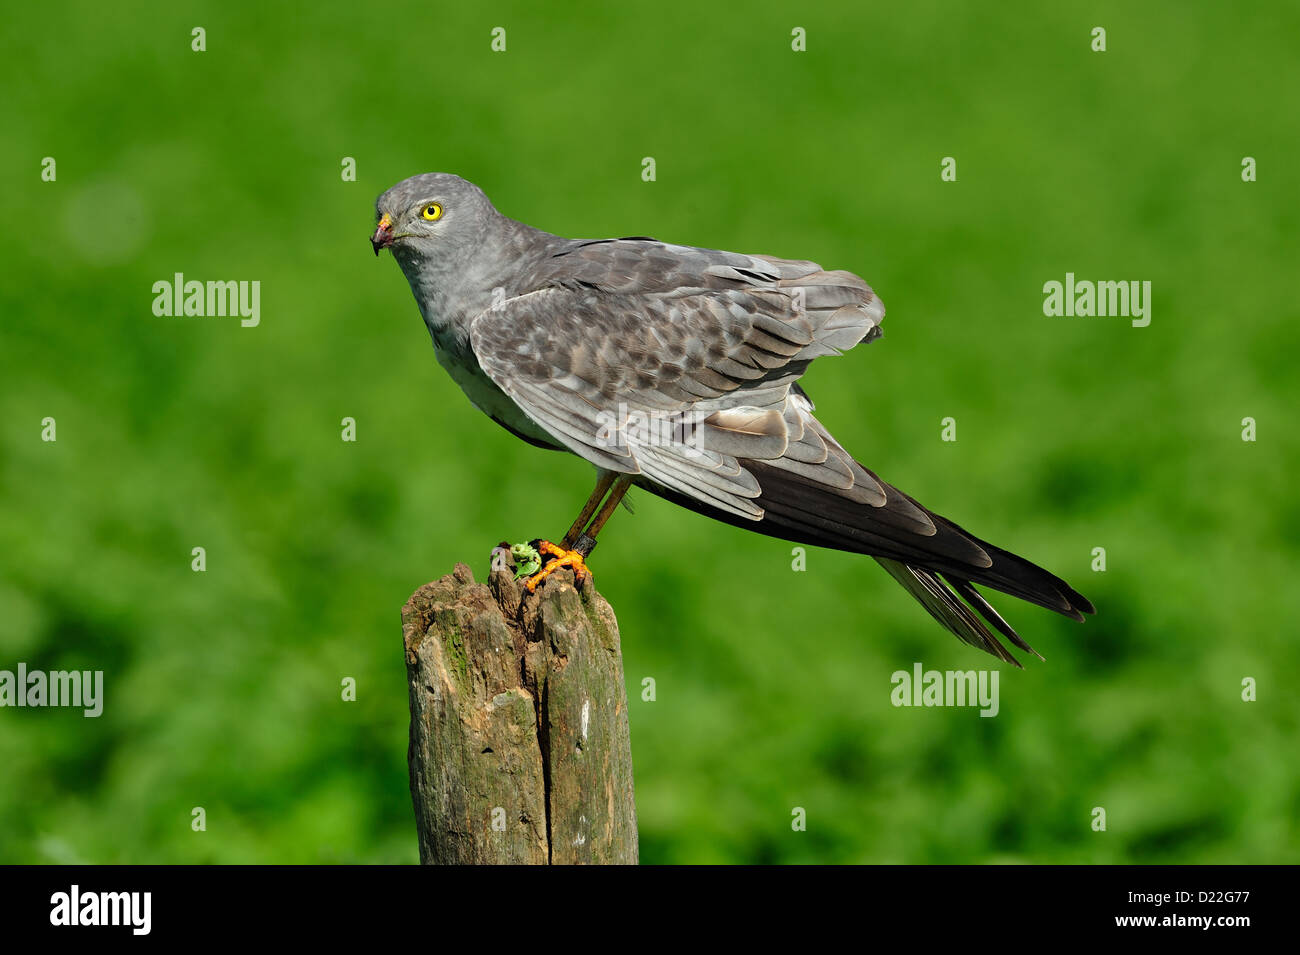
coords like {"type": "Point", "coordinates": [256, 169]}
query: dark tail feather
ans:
{"type": "Point", "coordinates": [939, 570]}
{"type": "Point", "coordinates": [943, 605]}
{"type": "Point", "coordinates": [1018, 577]}
{"type": "Point", "coordinates": [976, 600]}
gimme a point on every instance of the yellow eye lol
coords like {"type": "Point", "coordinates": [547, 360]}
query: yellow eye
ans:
{"type": "Point", "coordinates": [432, 212]}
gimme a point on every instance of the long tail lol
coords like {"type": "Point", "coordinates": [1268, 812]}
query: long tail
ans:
{"type": "Point", "coordinates": [940, 569]}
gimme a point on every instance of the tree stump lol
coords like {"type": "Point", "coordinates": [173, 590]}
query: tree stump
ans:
{"type": "Point", "coordinates": [519, 748]}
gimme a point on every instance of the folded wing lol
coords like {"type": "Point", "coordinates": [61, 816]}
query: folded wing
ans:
{"type": "Point", "coordinates": [679, 382]}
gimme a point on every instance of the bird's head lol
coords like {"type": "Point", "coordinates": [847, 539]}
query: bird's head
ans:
{"type": "Point", "coordinates": [434, 216]}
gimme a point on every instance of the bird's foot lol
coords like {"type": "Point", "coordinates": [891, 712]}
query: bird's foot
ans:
{"type": "Point", "coordinates": [559, 557]}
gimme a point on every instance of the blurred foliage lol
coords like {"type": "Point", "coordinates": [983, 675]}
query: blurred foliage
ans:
{"type": "Point", "coordinates": [223, 688]}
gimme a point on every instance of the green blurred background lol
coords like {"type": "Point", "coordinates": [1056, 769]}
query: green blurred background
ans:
{"type": "Point", "coordinates": [223, 687]}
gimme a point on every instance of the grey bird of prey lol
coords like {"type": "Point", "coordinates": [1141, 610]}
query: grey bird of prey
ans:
{"type": "Point", "coordinates": [675, 369]}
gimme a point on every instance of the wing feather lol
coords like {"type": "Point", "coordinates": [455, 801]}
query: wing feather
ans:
{"type": "Point", "coordinates": [679, 378]}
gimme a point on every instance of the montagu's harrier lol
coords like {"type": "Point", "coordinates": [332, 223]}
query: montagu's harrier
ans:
{"type": "Point", "coordinates": [676, 369]}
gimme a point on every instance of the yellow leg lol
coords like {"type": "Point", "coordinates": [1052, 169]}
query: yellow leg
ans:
{"type": "Point", "coordinates": [606, 512]}
{"type": "Point", "coordinates": [603, 481]}
{"type": "Point", "coordinates": [580, 542]}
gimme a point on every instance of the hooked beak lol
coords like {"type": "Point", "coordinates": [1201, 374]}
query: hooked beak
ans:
{"type": "Point", "coordinates": [383, 236]}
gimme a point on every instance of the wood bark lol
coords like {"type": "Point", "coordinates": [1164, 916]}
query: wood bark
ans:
{"type": "Point", "coordinates": [519, 744]}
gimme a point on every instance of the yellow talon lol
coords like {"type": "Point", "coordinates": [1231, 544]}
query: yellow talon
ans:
{"type": "Point", "coordinates": [560, 558]}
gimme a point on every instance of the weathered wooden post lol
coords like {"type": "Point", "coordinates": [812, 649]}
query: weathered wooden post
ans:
{"type": "Point", "coordinates": [519, 749]}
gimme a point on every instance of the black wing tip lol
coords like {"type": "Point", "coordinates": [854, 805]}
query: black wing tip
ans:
{"type": "Point", "coordinates": [1074, 604]}
{"type": "Point", "coordinates": [1028, 581]}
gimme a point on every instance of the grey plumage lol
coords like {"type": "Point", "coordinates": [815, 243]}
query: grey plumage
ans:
{"type": "Point", "coordinates": [575, 344]}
